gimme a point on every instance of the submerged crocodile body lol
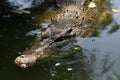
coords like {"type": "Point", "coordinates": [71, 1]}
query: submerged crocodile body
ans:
{"type": "Point", "coordinates": [74, 18]}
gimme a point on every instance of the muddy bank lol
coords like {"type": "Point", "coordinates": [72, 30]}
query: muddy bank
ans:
{"type": "Point", "coordinates": [73, 18]}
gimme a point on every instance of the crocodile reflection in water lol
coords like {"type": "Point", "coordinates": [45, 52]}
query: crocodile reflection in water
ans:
{"type": "Point", "coordinates": [72, 19]}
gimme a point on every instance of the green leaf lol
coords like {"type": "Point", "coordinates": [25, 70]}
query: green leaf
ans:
{"type": "Point", "coordinates": [21, 11]}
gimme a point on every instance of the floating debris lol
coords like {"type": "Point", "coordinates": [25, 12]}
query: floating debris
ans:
{"type": "Point", "coordinates": [57, 64]}
{"type": "Point", "coordinates": [52, 74]}
{"type": "Point", "coordinates": [69, 69]}
{"type": "Point", "coordinates": [115, 10]}
{"type": "Point", "coordinates": [92, 5]}
{"type": "Point", "coordinates": [76, 48]}
{"type": "Point", "coordinates": [19, 52]}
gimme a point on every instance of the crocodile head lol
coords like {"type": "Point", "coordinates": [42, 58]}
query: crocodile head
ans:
{"type": "Point", "coordinates": [25, 60]}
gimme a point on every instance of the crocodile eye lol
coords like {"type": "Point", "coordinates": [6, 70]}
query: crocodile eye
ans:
{"type": "Point", "coordinates": [69, 31]}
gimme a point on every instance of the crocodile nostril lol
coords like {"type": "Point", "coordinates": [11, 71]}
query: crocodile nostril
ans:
{"type": "Point", "coordinates": [22, 56]}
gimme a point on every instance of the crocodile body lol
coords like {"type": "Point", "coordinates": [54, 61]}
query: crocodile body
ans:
{"type": "Point", "coordinates": [73, 18]}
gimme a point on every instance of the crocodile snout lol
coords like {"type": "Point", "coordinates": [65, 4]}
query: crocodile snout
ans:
{"type": "Point", "coordinates": [25, 60]}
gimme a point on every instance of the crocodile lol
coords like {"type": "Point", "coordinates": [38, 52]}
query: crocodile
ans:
{"type": "Point", "coordinates": [73, 18]}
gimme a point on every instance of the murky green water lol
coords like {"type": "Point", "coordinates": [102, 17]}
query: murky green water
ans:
{"type": "Point", "coordinates": [97, 59]}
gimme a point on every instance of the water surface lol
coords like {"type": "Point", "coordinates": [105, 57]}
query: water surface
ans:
{"type": "Point", "coordinates": [97, 58]}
